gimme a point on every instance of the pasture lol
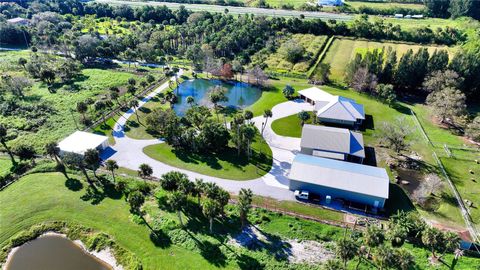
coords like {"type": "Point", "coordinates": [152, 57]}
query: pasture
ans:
{"type": "Point", "coordinates": [384, 5]}
{"type": "Point", "coordinates": [343, 50]}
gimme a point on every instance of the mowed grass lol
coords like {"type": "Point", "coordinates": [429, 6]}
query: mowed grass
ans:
{"type": "Point", "coordinates": [45, 197]}
{"type": "Point", "coordinates": [225, 164]}
{"type": "Point", "coordinates": [290, 126]}
{"type": "Point", "coordinates": [137, 128]}
{"type": "Point", "coordinates": [343, 50]}
{"type": "Point", "coordinates": [312, 45]}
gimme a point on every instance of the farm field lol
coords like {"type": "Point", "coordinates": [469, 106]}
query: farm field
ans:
{"type": "Point", "coordinates": [343, 50]}
{"type": "Point", "coordinates": [385, 5]}
{"type": "Point", "coordinates": [277, 62]}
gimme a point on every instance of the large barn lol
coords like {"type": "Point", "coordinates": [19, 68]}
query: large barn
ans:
{"type": "Point", "coordinates": [79, 142]}
{"type": "Point", "coordinates": [351, 182]}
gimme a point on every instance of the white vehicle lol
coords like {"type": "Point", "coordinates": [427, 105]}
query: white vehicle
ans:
{"type": "Point", "coordinates": [301, 194]}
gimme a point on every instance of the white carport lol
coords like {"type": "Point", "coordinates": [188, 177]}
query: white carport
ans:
{"type": "Point", "coordinates": [79, 142]}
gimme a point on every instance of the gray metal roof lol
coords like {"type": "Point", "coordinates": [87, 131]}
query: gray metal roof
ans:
{"type": "Point", "coordinates": [341, 175]}
{"type": "Point", "coordinates": [330, 139]}
{"type": "Point", "coordinates": [340, 108]}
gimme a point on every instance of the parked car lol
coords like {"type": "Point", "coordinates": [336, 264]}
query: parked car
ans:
{"type": "Point", "coordinates": [302, 194]}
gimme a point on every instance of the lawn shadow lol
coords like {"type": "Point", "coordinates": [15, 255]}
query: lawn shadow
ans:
{"type": "Point", "coordinates": [398, 201]}
{"type": "Point", "coordinates": [370, 156]}
{"type": "Point", "coordinates": [368, 123]}
{"type": "Point", "coordinates": [401, 108]}
{"type": "Point", "coordinates": [212, 253]}
{"type": "Point", "coordinates": [73, 184]}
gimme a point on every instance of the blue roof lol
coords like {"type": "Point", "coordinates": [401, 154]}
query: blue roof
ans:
{"type": "Point", "coordinates": [342, 165]}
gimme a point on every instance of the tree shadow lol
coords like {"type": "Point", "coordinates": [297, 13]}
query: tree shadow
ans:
{"type": "Point", "coordinates": [159, 238]}
{"type": "Point", "coordinates": [73, 184]}
{"type": "Point", "coordinates": [145, 110]}
{"type": "Point", "coordinates": [398, 201]}
{"type": "Point", "coordinates": [401, 108]}
{"type": "Point", "coordinates": [212, 253]}
{"type": "Point", "coordinates": [246, 262]}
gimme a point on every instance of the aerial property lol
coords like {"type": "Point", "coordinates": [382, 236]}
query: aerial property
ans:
{"type": "Point", "coordinates": [338, 180]}
{"type": "Point", "coordinates": [334, 109]}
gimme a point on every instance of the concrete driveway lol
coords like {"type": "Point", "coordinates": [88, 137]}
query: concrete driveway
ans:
{"type": "Point", "coordinates": [128, 153]}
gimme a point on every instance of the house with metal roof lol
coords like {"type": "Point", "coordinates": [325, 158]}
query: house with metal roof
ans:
{"type": "Point", "coordinates": [338, 180]}
{"type": "Point", "coordinates": [79, 142]}
{"type": "Point", "coordinates": [334, 109]}
{"type": "Point", "coordinates": [334, 143]}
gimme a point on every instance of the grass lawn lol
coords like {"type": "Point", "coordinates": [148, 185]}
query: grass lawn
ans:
{"type": "Point", "coordinates": [343, 50]}
{"type": "Point", "coordinates": [226, 164]}
{"type": "Point", "coordinates": [46, 197]}
{"type": "Point", "coordinates": [138, 131]}
{"type": "Point", "coordinates": [290, 126]}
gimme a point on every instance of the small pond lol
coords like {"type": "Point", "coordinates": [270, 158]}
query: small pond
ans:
{"type": "Point", "coordinates": [240, 95]}
{"type": "Point", "coordinates": [53, 252]}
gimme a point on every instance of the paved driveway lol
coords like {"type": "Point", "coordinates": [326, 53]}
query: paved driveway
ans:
{"type": "Point", "coordinates": [128, 153]}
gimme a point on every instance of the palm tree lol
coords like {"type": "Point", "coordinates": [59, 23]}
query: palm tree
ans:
{"type": "Point", "coordinates": [171, 181]}
{"type": "Point", "coordinates": [210, 209]}
{"type": "Point", "coordinates": [198, 189]}
{"type": "Point", "coordinates": [177, 201]}
{"type": "Point", "coordinates": [115, 96]}
{"type": "Point", "coordinates": [373, 237]}
{"type": "Point", "coordinates": [303, 116]}
{"type": "Point", "coordinates": [99, 107]}
{"type": "Point", "coordinates": [249, 134]}
{"type": "Point", "coordinates": [384, 257]}
{"type": "Point", "coordinates": [432, 238]}
{"type": "Point", "coordinates": [404, 259]}
{"type": "Point", "coordinates": [145, 171]}
{"type": "Point", "coordinates": [82, 108]}
{"type": "Point", "coordinates": [3, 141]}
{"type": "Point", "coordinates": [248, 115]}
{"type": "Point", "coordinates": [245, 197]}
{"type": "Point", "coordinates": [132, 90]}
{"type": "Point", "coordinates": [53, 151]}
{"type": "Point", "coordinates": [396, 235]}
{"type": "Point", "coordinates": [92, 159]}
{"type": "Point", "coordinates": [135, 199]}
{"type": "Point", "coordinates": [217, 95]}
{"type": "Point", "coordinates": [346, 250]}
{"type": "Point", "coordinates": [111, 165]}
{"type": "Point", "coordinates": [190, 100]}
{"type": "Point", "coordinates": [266, 114]}
{"type": "Point", "coordinates": [134, 105]}
{"type": "Point", "coordinates": [77, 161]}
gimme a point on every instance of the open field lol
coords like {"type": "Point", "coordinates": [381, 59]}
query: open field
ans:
{"type": "Point", "coordinates": [5, 165]}
{"type": "Point", "coordinates": [225, 164]}
{"type": "Point", "coordinates": [343, 50]}
{"type": "Point", "coordinates": [385, 5]}
{"type": "Point", "coordinates": [276, 61]}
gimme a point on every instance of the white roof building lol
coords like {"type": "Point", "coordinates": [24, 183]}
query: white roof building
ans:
{"type": "Point", "coordinates": [331, 142]}
{"type": "Point", "coordinates": [79, 142]}
{"type": "Point", "coordinates": [334, 109]}
{"type": "Point", "coordinates": [339, 179]}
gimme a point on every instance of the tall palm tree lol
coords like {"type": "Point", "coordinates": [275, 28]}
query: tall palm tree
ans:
{"type": "Point", "coordinates": [135, 199]}
{"type": "Point", "coordinates": [92, 160]}
{"type": "Point", "coordinates": [111, 165]}
{"type": "Point", "coordinates": [82, 108]}
{"type": "Point", "coordinates": [190, 100]}
{"type": "Point", "coordinates": [210, 209]}
{"type": "Point", "coordinates": [177, 201]}
{"type": "Point", "coordinates": [145, 171]}
{"type": "Point", "coordinates": [303, 116]}
{"type": "Point", "coordinates": [99, 107]}
{"type": "Point", "coordinates": [249, 134]}
{"type": "Point", "coordinates": [266, 114]}
{"type": "Point", "coordinates": [248, 115]}
{"type": "Point", "coordinates": [3, 141]}
{"type": "Point", "coordinates": [432, 238]}
{"type": "Point", "coordinates": [134, 105]}
{"type": "Point", "coordinates": [77, 161]}
{"type": "Point", "coordinates": [245, 197]}
{"type": "Point", "coordinates": [346, 250]}
{"type": "Point", "coordinates": [217, 95]}
{"type": "Point", "coordinates": [198, 190]}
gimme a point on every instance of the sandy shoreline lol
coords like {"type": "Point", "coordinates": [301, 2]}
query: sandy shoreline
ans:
{"type": "Point", "coordinates": [105, 255]}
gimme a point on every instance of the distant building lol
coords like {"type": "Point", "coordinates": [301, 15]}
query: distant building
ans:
{"type": "Point", "coordinates": [79, 142]}
{"type": "Point", "coordinates": [330, 2]}
{"type": "Point", "coordinates": [334, 109]}
{"type": "Point", "coordinates": [398, 16]}
{"type": "Point", "coordinates": [333, 179]}
{"type": "Point", "coordinates": [334, 143]}
{"type": "Point", "coordinates": [18, 21]}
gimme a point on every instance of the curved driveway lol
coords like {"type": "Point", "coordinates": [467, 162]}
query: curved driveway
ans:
{"type": "Point", "coordinates": [128, 153]}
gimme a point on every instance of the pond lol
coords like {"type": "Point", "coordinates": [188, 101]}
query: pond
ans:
{"type": "Point", "coordinates": [240, 95]}
{"type": "Point", "coordinates": [53, 252]}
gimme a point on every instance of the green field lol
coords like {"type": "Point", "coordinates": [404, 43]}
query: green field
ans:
{"type": "Point", "coordinates": [225, 164]}
{"type": "Point", "coordinates": [312, 44]}
{"type": "Point", "coordinates": [343, 50]}
{"type": "Point", "coordinates": [385, 5]}
{"type": "Point", "coordinates": [5, 165]}
{"type": "Point", "coordinates": [103, 26]}
{"type": "Point", "coordinates": [290, 126]}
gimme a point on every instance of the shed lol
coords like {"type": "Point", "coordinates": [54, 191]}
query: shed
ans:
{"type": "Point", "coordinates": [79, 142]}
{"type": "Point", "coordinates": [330, 142]}
{"type": "Point", "coordinates": [340, 180]}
